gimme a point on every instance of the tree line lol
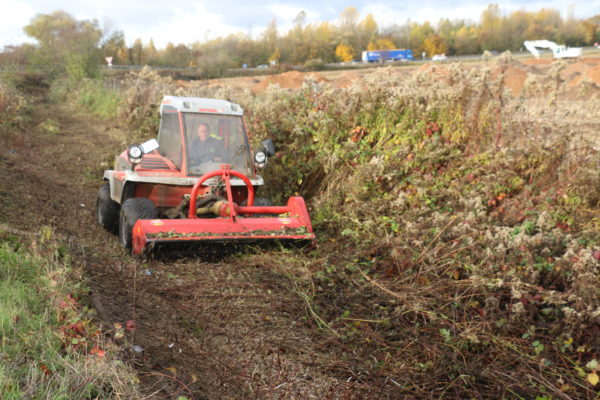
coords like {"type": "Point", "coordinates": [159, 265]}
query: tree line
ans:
{"type": "Point", "coordinates": [65, 44]}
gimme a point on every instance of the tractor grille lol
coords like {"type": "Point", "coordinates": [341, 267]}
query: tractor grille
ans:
{"type": "Point", "coordinates": [154, 163]}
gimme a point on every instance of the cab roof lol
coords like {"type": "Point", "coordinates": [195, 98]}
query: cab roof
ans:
{"type": "Point", "coordinates": [201, 105]}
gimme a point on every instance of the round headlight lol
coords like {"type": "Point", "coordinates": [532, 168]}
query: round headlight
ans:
{"type": "Point", "coordinates": [135, 152]}
{"type": "Point", "coordinates": [260, 157]}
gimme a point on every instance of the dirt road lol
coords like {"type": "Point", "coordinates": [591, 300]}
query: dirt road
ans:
{"type": "Point", "coordinates": [204, 329]}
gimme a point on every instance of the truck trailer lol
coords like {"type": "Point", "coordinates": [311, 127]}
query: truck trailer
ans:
{"type": "Point", "coordinates": [385, 55]}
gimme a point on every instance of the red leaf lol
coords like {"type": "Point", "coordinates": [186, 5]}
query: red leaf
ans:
{"type": "Point", "coordinates": [130, 325]}
{"type": "Point", "coordinates": [97, 351]}
{"type": "Point", "coordinates": [596, 254]}
{"type": "Point", "coordinates": [45, 370]}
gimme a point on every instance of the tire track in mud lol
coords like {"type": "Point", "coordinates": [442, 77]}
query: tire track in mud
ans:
{"type": "Point", "coordinates": [220, 329]}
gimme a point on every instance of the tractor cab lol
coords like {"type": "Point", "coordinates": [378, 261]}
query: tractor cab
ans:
{"type": "Point", "coordinates": [198, 135]}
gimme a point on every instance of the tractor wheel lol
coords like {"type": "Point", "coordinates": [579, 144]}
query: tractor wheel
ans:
{"type": "Point", "coordinates": [107, 210]}
{"type": "Point", "coordinates": [132, 210]}
{"type": "Point", "coordinates": [258, 202]}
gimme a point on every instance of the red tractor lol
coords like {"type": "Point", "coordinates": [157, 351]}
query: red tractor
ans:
{"type": "Point", "coordinates": [196, 183]}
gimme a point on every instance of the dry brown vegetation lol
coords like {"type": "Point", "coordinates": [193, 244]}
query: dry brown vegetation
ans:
{"type": "Point", "coordinates": [456, 208]}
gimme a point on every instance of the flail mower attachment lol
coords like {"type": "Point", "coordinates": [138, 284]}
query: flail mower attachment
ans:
{"type": "Point", "coordinates": [234, 223]}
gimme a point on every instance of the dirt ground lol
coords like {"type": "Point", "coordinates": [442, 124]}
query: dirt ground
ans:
{"type": "Point", "coordinates": [209, 329]}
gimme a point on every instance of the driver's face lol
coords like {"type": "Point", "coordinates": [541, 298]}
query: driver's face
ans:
{"type": "Point", "coordinates": [202, 133]}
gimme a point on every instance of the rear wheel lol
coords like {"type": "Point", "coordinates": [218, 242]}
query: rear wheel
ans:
{"type": "Point", "coordinates": [107, 210]}
{"type": "Point", "coordinates": [132, 210]}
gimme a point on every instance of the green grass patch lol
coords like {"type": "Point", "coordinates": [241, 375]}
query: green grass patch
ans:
{"type": "Point", "coordinates": [99, 99]}
{"type": "Point", "coordinates": [93, 95]}
{"type": "Point", "coordinates": [40, 357]}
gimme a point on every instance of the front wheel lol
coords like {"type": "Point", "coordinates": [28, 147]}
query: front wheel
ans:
{"type": "Point", "coordinates": [132, 210]}
{"type": "Point", "coordinates": [258, 202]}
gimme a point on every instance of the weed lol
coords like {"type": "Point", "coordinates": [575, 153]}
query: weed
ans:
{"type": "Point", "coordinates": [50, 126]}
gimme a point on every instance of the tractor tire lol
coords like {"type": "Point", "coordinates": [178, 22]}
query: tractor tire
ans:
{"type": "Point", "coordinates": [132, 210]}
{"type": "Point", "coordinates": [259, 202]}
{"type": "Point", "coordinates": [107, 210]}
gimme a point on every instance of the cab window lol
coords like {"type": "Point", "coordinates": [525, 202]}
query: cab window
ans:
{"type": "Point", "coordinates": [226, 138]}
{"type": "Point", "coordinates": [169, 136]}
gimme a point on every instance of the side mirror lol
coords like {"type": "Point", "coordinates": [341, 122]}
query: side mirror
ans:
{"type": "Point", "coordinates": [269, 147]}
{"type": "Point", "coordinates": [262, 155]}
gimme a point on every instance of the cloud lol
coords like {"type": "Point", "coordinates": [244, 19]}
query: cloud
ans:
{"type": "Point", "coordinates": [580, 9]}
{"type": "Point", "coordinates": [14, 16]}
{"type": "Point", "coordinates": [183, 25]}
{"type": "Point", "coordinates": [285, 15]}
{"type": "Point", "coordinates": [286, 12]}
{"type": "Point", "coordinates": [386, 15]}
{"type": "Point", "coordinates": [434, 10]}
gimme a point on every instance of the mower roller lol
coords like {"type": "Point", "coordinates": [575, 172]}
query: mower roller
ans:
{"type": "Point", "coordinates": [190, 186]}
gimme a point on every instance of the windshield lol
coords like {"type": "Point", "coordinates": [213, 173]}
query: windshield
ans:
{"type": "Point", "coordinates": [213, 140]}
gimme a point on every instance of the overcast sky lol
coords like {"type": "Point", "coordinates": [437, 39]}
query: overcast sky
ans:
{"type": "Point", "coordinates": [187, 21]}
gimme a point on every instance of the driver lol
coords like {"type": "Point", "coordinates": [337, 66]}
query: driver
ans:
{"type": "Point", "coordinates": [204, 147]}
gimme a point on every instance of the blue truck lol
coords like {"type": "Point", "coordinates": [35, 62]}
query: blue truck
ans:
{"type": "Point", "coordinates": [385, 55]}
